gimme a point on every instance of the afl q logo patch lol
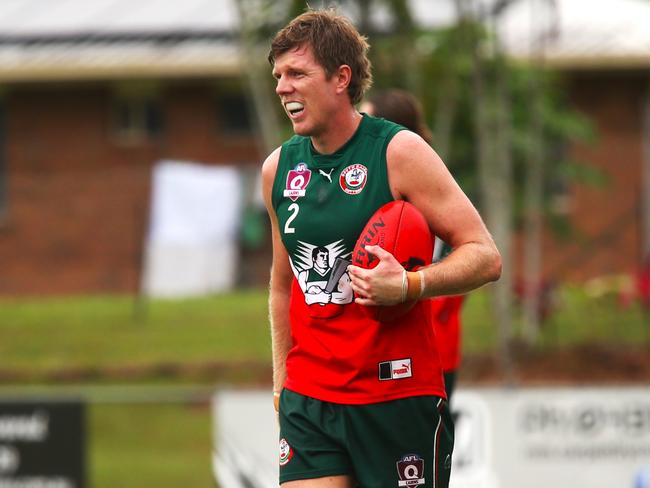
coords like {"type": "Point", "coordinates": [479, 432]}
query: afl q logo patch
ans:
{"type": "Point", "coordinates": [297, 181]}
{"type": "Point", "coordinates": [286, 453]}
{"type": "Point", "coordinates": [353, 179]}
{"type": "Point", "coordinates": [410, 470]}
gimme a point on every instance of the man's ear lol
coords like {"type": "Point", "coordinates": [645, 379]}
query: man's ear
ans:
{"type": "Point", "coordinates": [343, 78]}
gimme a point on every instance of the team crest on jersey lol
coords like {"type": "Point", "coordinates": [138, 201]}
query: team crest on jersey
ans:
{"type": "Point", "coordinates": [286, 453]}
{"type": "Point", "coordinates": [353, 179]}
{"type": "Point", "coordinates": [410, 470]}
{"type": "Point", "coordinates": [297, 181]}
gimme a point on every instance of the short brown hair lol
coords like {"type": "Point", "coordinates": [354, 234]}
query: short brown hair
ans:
{"type": "Point", "coordinates": [334, 42]}
{"type": "Point", "coordinates": [401, 107]}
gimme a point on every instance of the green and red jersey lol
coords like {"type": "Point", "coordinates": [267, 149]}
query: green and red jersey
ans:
{"type": "Point", "coordinates": [445, 315]}
{"type": "Point", "coordinates": [322, 203]}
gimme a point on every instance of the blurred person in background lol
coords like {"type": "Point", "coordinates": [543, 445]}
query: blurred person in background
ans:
{"type": "Point", "coordinates": [643, 284]}
{"type": "Point", "coordinates": [403, 108]}
{"type": "Point", "coordinates": [356, 398]}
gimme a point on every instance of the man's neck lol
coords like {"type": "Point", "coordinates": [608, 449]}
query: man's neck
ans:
{"type": "Point", "coordinates": [341, 129]}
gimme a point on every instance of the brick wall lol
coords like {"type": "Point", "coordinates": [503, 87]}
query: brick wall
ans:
{"type": "Point", "coordinates": [607, 220]}
{"type": "Point", "coordinates": [78, 199]}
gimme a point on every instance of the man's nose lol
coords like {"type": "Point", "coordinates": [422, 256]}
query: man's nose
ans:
{"type": "Point", "coordinates": [282, 86]}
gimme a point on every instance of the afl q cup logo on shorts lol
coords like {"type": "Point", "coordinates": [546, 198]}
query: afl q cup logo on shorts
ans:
{"type": "Point", "coordinates": [353, 179]}
{"type": "Point", "coordinates": [286, 453]}
{"type": "Point", "coordinates": [410, 470]}
{"type": "Point", "coordinates": [297, 181]}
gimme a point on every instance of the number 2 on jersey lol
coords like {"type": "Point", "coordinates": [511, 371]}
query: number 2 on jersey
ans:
{"type": "Point", "coordinates": [294, 209]}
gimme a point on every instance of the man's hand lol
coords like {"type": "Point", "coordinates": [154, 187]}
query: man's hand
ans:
{"type": "Point", "coordinates": [276, 401]}
{"type": "Point", "coordinates": [381, 285]}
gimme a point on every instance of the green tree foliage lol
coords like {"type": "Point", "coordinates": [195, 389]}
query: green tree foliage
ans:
{"type": "Point", "coordinates": [444, 62]}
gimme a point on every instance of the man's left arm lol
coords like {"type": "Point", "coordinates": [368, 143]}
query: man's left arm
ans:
{"type": "Point", "coordinates": [418, 175]}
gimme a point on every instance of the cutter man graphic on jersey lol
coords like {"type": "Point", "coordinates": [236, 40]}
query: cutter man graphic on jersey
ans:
{"type": "Point", "coordinates": [326, 288]}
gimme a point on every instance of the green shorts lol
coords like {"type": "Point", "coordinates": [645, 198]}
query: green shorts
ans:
{"type": "Point", "coordinates": [450, 383]}
{"type": "Point", "coordinates": [400, 443]}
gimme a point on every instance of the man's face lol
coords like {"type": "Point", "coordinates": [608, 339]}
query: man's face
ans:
{"type": "Point", "coordinates": [322, 260]}
{"type": "Point", "coordinates": [307, 96]}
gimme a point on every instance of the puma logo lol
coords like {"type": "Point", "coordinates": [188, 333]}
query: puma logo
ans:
{"type": "Point", "coordinates": [327, 175]}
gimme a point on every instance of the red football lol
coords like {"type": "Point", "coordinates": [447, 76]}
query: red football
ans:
{"type": "Point", "coordinates": [402, 230]}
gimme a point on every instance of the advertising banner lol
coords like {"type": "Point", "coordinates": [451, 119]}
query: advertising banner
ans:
{"type": "Point", "coordinates": [562, 437]}
{"type": "Point", "coordinates": [42, 444]}
{"type": "Point", "coordinates": [504, 438]}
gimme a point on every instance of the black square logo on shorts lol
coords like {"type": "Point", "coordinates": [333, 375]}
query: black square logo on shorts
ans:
{"type": "Point", "coordinates": [395, 370]}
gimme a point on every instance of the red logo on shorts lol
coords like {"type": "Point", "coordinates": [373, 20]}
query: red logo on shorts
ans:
{"type": "Point", "coordinates": [286, 453]}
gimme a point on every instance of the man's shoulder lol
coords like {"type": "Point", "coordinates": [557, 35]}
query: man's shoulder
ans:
{"type": "Point", "coordinates": [287, 146]}
{"type": "Point", "coordinates": [272, 159]}
{"type": "Point", "coordinates": [408, 143]}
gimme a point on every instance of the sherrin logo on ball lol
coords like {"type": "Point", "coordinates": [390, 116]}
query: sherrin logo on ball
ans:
{"type": "Point", "coordinates": [353, 179]}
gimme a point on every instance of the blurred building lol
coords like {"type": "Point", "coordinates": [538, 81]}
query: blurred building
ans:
{"type": "Point", "coordinates": [601, 48]}
{"type": "Point", "coordinates": [92, 94]}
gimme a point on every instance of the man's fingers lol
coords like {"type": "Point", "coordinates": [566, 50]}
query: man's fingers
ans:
{"type": "Point", "coordinates": [360, 292]}
{"type": "Point", "coordinates": [378, 251]}
{"type": "Point", "coordinates": [359, 281]}
{"type": "Point", "coordinates": [358, 285]}
{"type": "Point", "coordinates": [365, 301]}
{"type": "Point", "coordinates": [355, 272]}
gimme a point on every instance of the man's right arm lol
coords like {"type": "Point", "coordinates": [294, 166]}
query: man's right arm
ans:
{"type": "Point", "coordinates": [281, 279]}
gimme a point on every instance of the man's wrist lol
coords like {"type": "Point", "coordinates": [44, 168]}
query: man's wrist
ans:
{"type": "Point", "coordinates": [415, 285]}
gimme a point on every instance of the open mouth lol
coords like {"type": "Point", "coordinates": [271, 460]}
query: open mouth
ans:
{"type": "Point", "coordinates": [294, 108]}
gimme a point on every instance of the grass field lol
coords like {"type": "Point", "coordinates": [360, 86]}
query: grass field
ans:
{"type": "Point", "coordinates": [150, 445]}
{"type": "Point", "coordinates": [99, 334]}
{"type": "Point", "coordinates": [138, 436]}
{"type": "Point", "coordinates": [109, 350]}
{"type": "Point", "coordinates": [40, 336]}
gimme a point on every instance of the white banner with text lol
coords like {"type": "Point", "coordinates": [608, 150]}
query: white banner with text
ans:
{"type": "Point", "coordinates": [505, 438]}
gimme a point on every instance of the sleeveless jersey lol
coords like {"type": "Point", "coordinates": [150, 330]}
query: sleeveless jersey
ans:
{"type": "Point", "coordinates": [445, 314]}
{"type": "Point", "coordinates": [322, 203]}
